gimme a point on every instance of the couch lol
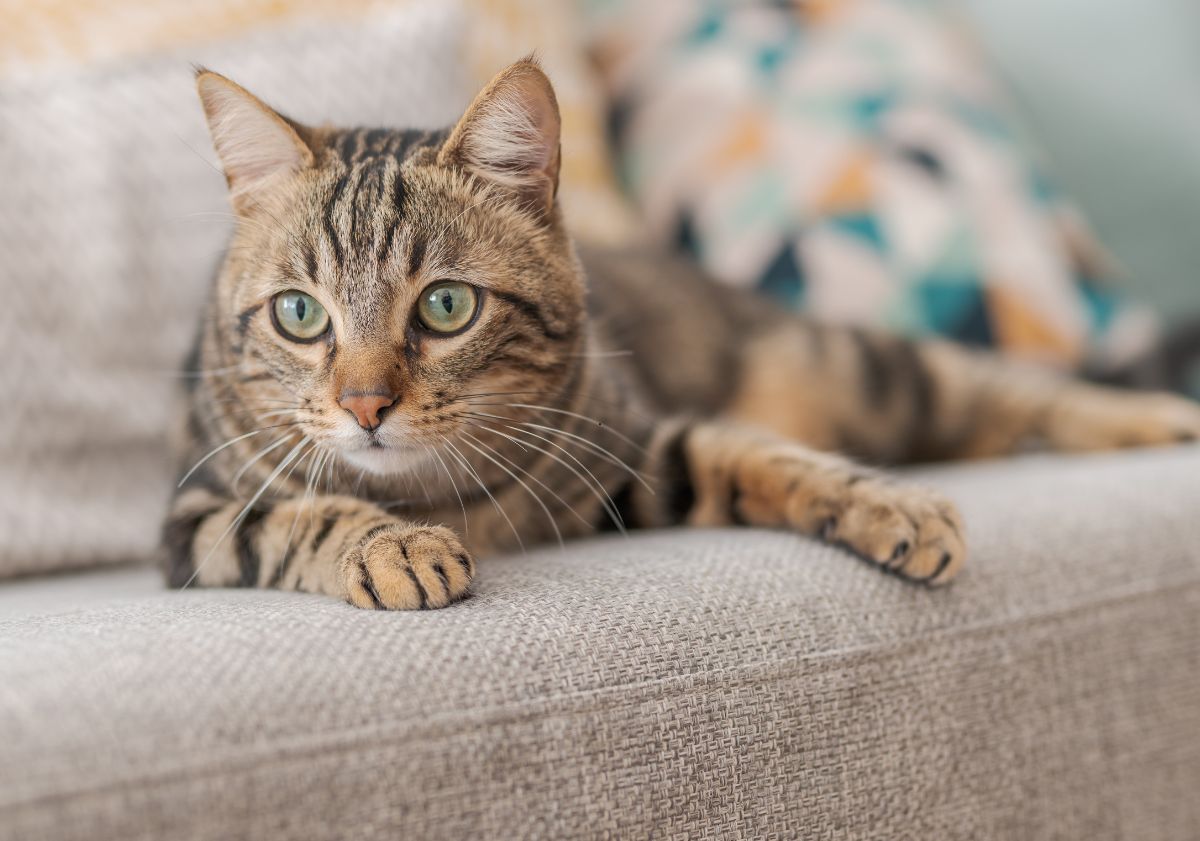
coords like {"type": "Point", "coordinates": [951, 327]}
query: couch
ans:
{"type": "Point", "coordinates": [708, 684]}
{"type": "Point", "coordinates": [703, 684]}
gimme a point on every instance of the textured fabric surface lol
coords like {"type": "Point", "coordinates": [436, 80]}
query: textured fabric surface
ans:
{"type": "Point", "coordinates": [112, 220]}
{"type": "Point", "coordinates": [723, 684]}
{"type": "Point", "coordinates": [65, 592]}
{"type": "Point", "coordinates": [856, 159]}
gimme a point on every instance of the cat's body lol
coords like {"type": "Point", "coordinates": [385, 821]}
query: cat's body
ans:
{"type": "Point", "coordinates": [402, 369]}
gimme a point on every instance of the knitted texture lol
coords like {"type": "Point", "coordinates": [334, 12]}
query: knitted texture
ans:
{"type": "Point", "coordinates": [692, 685]}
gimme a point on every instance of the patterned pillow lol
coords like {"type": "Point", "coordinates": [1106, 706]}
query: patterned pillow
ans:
{"type": "Point", "coordinates": [855, 159]}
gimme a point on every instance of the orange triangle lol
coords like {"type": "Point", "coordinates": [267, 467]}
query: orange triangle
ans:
{"type": "Point", "coordinates": [745, 143]}
{"type": "Point", "coordinates": [1021, 331]}
{"type": "Point", "coordinates": [850, 191]}
{"type": "Point", "coordinates": [818, 11]}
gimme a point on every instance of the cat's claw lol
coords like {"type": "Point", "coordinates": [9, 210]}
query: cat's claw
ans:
{"type": "Point", "coordinates": [911, 531]}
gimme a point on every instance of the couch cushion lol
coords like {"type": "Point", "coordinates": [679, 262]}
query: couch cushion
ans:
{"type": "Point", "coordinates": [708, 684]}
{"type": "Point", "coordinates": [81, 590]}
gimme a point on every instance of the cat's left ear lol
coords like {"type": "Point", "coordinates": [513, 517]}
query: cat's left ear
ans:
{"type": "Point", "coordinates": [257, 146]}
{"type": "Point", "coordinates": [510, 136]}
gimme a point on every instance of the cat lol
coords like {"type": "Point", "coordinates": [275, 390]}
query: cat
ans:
{"type": "Point", "coordinates": [402, 369]}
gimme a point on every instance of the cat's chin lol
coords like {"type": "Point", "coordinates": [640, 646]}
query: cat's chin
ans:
{"type": "Point", "coordinates": [386, 461]}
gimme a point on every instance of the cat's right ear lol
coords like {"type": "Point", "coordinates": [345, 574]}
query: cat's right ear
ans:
{"type": "Point", "coordinates": [510, 136]}
{"type": "Point", "coordinates": [256, 145]}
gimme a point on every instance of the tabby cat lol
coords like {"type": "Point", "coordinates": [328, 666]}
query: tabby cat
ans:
{"type": "Point", "coordinates": [402, 369]}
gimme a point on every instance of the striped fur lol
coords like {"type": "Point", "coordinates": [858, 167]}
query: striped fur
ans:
{"type": "Point", "coordinates": [648, 397]}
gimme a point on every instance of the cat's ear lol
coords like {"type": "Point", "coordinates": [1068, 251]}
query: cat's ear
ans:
{"type": "Point", "coordinates": [510, 136]}
{"type": "Point", "coordinates": [255, 144]}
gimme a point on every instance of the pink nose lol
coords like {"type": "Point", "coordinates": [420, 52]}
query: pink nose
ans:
{"type": "Point", "coordinates": [366, 407]}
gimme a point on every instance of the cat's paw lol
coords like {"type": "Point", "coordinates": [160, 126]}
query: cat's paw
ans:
{"type": "Point", "coordinates": [911, 531]}
{"type": "Point", "coordinates": [406, 567]}
{"type": "Point", "coordinates": [1109, 420]}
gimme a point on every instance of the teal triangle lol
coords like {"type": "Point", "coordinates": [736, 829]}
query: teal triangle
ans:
{"type": "Point", "coordinates": [958, 311]}
{"type": "Point", "coordinates": [708, 27]}
{"type": "Point", "coordinates": [866, 110]}
{"type": "Point", "coordinates": [784, 278]}
{"type": "Point", "coordinates": [772, 56]}
{"type": "Point", "coordinates": [1102, 304]}
{"type": "Point", "coordinates": [863, 226]}
{"type": "Point", "coordinates": [1044, 189]}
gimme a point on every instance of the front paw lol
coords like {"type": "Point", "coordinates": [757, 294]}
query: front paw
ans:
{"type": "Point", "coordinates": [910, 530]}
{"type": "Point", "coordinates": [405, 567]}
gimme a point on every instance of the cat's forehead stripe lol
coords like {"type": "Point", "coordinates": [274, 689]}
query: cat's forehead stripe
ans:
{"type": "Point", "coordinates": [352, 146]}
{"type": "Point", "coordinates": [389, 233]}
{"type": "Point", "coordinates": [416, 252]}
{"type": "Point", "coordinates": [327, 221]}
{"type": "Point", "coordinates": [367, 199]}
{"type": "Point", "coordinates": [366, 205]}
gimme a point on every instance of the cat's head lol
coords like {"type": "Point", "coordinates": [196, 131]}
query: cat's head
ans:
{"type": "Point", "coordinates": [381, 283]}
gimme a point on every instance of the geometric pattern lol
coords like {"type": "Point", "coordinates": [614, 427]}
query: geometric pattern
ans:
{"type": "Point", "coordinates": [855, 159]}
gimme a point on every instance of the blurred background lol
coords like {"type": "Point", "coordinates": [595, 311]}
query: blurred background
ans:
{"type": "Point", "coordinates": [1112, 92]}
{"type": "Point", "coordinates": [1022, 175]}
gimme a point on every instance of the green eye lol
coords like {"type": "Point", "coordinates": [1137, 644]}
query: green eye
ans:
{"type": "Point", "coordinates": [299, 317]}
{"type": "Point", "coordinates": [448, 306]}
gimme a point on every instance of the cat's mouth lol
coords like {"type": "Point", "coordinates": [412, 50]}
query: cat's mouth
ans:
{"type": "Point", "coordinates": [385, 457]}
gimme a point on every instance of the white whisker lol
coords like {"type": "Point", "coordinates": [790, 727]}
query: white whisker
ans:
{"type": "Point", "coordinates": [274, 445]}
{"type": "Point", "coordinates": [603, 496]}
{"type": "Point", "coordinates": [287, 546]}
{"type": "Point", "coordinates": [520, 481]}
{"type": "Point", "coordinates": [461, 504]}
{"type": "Point", "coordinates": [483, 487]}
{"type": "Point", "coordinates": [598, 423]}
{"type": "Point", "coordinates": [228, 443]}
{"type": "Point", "coordinates": [603, 452]}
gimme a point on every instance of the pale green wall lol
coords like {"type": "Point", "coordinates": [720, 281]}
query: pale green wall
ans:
{"type": "Point", "coordinates": [1111, 91]}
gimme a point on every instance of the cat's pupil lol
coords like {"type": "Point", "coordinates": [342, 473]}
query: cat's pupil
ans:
{"type": "Point", "coordinates": [300, 309]}
{"type": "Point", "coordinates": [447, 302]}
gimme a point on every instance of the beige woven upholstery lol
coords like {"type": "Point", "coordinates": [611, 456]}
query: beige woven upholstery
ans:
{"type": "Point", "coordinates": [728, 684]}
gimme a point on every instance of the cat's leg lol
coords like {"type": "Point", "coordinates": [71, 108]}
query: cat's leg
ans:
{"type": "Point", "coordinates": [719, 473]}
{"type": "Point", "coordinates": [891, 399]}
{"type": "Point", "coordinates": [335, 545]}
{"type": "Point", "coordinates": [988, 406]}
